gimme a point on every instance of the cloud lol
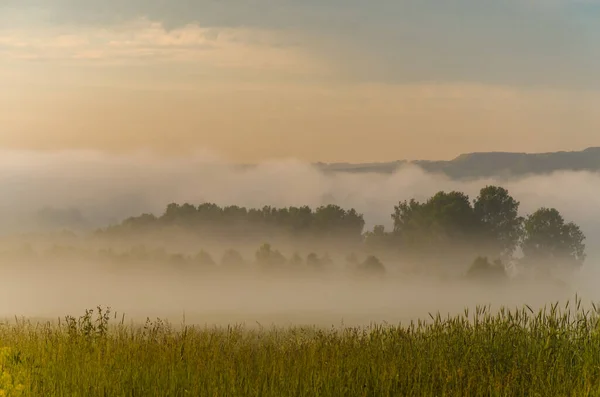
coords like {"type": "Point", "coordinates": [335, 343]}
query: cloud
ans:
{"type": "Point", "coordinates": [145, 41]}
{"type": "Point", "coordinates": [507, 42]}
{"type": "Point", "coordinates": [499, 42]}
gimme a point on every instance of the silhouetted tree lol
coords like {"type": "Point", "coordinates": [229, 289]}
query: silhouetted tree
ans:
{"type": "Point", "coordinates": [548, 240]}
{"type": "Point", "coordinates": [140, 223]}
{"type": "Point", "coordinates": [442, 229]}
{"type": "Point", "coordinates": [372, 266]}
{"type": "Point", "coordinates": [177, 260]}
{"type": "Point", "coordinates": [313, 261]}
{"type": "Point", "coordinates": [296, 260]}
{"type": "Point", "coordinates": [482, 269]}
{"type": "Point", "coordinates": [334, 221]}
{"type": "Point", "coordinates": [267, 257]}
{"type": "Point", "coordinates": [326, 222]}
{"type": "Point", "coordinates": [352, 260]}
{"type": "Point", "coordinates": [379, 240]}
{"type": "Point", "coordinates": [203, 258]}
{"type": "Point", "coordinates": [501, 224]}
{"type": "Point", "coordinates": [232, 258]}
{"type": "Point", "coordinates": [445, 217]}
{"type": "Point", "coordinates": [326, 260]}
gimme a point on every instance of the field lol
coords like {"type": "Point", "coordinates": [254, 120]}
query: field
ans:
{"type": "Point", "coordinates": [553, 352]}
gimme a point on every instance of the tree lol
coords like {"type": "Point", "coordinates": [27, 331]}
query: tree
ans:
{"type": "Point", "coordinates": [372, 266]}
{"type": "Point", "coordinates": [142, 222]}
{"type": "Point", "coordinates": [313, 261]}
{"type": "Point", "coordinates": [334, 221]}
{"type": "Point", "coordinates": [209, 214]}
{"type": "Point", "coordinates": [296, 260]}
{"type": "Point", "coordinates": [300, 219]}
{"type": "Point", "coordinates": [232, 258]}
{"type": "Point", "coordinates": [326, 260]}
{"type": "Point", "coordinates": [352, 260]}
{"type": "Point", "coordinates": [443, 229]}
{"type": "Point", "coordinates": [549, 241]}
{"type": "Point", "coordinates": [179, 215]}
{"type": "Point", "coordinates": [378, 240]}
{"type": "Point", "coordinates": [178, 260]}
{"type": "Point", "coordinates": [482, 269]}
{"type": "Point", "coordinates": [331, 222]}
{"type": "Point", "coordinates": [265, 256]}
{"type": "Point", "coordinates": [445, 217]}
{"type": "Point", "coordinates": [203, 258]}
{"type": "Point", "coordinates": [501, 224]}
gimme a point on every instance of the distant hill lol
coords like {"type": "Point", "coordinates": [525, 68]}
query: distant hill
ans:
{"type": "Point", "coordinates": [490, 164]}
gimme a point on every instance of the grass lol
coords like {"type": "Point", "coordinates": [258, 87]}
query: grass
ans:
{"type": "Point", "coordinates": [553, 352]}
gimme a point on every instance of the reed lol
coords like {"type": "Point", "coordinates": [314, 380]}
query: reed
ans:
{"type": "Point", "coordinates": [551, 352]}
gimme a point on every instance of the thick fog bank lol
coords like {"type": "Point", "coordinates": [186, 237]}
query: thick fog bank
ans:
{"type": "Point", "coordinates": [107, 188]}
{"type": "Point", "coordinates": [36, 291]}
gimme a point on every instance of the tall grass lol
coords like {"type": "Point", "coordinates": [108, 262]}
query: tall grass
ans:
{"type": "Point", "coordinates": [553, 352]}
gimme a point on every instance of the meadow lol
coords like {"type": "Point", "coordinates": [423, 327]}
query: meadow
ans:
{"type": "Point", "coordinates": [441, 252]}
{"type": "Point", "coordinates": [550, 352]}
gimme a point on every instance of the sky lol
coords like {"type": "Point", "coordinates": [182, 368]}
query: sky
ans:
{"type": "Point", "coordinates": [327, 80]}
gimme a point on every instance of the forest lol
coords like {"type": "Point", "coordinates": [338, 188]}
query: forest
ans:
{"type": "Point", "coordinates": [448, 231]}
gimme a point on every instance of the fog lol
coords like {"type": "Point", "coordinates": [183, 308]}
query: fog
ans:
{"type": "Point", "coordinates": [255, 299]}
{"type": "Point", "coordinates": [108, 188]}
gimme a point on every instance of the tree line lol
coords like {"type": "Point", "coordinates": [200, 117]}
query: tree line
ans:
{"type": "Point", "coordinates": [265, 257]}
{"type": "Point", "coordinates": [448, 227]}
{"type": "Point", "coordinates": [325, 222]}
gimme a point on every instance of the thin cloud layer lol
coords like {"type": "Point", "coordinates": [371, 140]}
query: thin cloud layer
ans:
{"type": "Point", "coordinates": [509, 42]}
{"type": "Point", "coordinates": [145, 41]}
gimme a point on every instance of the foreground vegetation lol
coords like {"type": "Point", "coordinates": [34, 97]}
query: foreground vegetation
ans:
{"type": "Point", "coordinates": [550, 353]}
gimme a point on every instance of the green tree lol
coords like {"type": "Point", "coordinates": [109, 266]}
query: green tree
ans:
{"type": "Point", "coordinates": [444, 217]}
{"type": "Point", "coordinates": [501, 224]}
{"type": "Point", "coordinates": [549, 240]}
{"type": "Point", "coordinates": [442, 230]}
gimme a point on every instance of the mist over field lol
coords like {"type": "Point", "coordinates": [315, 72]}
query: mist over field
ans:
{"type": "Point", "coordinates": [105, 189]}
{"type": "Point", "coordinates": [48, 293]}
{"type": "Point", "coordinates": [299, 198]}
